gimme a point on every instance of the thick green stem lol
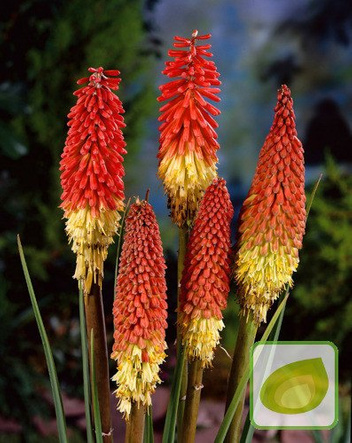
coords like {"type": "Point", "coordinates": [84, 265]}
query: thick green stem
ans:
{"type": "Point", "coordinates": [183, 238]}
{"type": "Point", "coordinates": [194, 388]}
{"type": "Point", "coordinates": [135, 424]}
{"type": "Point", "coordinates": [95, 320]}
{"type": "Point", "coordinates": [245, 339]}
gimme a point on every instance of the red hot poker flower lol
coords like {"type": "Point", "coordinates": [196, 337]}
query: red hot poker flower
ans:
{"type": "Point", "coordinates": [139, 310]}
{"type": "Point", "coordinates": [273, 217]}
{"type": "Point", "coordinates": [205, 282]}
{"type": "Point", "coordinates": [91, 172]}
{"type": "Point", "coordinates": [187, 153]}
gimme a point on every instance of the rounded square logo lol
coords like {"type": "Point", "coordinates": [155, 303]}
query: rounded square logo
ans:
{"type": "Point", "coordinates": [294, 385]}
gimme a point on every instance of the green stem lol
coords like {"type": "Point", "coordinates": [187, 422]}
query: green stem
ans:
{"type": "Point", "coordinates": [183, 239]}
{"type": "Point", "coordinates": [195, 376]}
{"type": "Point", "coordinates": [95, 320]}
{"type": "Point", "coordinates": [245, 339]}
{"type": "Point", "coordinates": [135, 424]}
{"type": "Point", "coordinates": [85, 365]}
{"type": "Point", "coordinates": [225, 425]}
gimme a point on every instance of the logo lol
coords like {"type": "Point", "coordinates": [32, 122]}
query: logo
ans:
{"type": "Point", "coordinates": [294, 385]}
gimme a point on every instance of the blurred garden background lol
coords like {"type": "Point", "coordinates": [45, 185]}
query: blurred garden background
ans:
{"type": "Point", "coordinates": [45, 46]}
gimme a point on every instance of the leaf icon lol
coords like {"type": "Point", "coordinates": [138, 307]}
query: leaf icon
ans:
{"type": "Point", "coordinates": [296, 388]}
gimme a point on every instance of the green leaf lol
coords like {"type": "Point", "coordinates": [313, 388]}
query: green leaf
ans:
{"type": "Point", "coordinates": [96, 410]}
{"type": "Point", "coordinates": [248, 429]}
{"type": "Point", "coordinates": [148, 428]}
{"type": "Point", "coordinates": [224, 427]}
{"type": "Point", "coordinates": [317, 436]}
{"type": "Point", "coordinates": [85, 364]}
{"type": "Point", "coordinates": [316, 186]}
{"type": "Point", "coordinates": [247, 432]}
{"type": "Point", "coordinates": [171, 414]}
{"type": "Point", "coordinates": [119, 242]}
{"type": "Point", "coordinates": [59, 411]}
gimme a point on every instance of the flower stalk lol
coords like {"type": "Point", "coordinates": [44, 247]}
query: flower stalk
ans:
{"type": "Point", "coordinates": [188, 145]}
{"type": "Point", "coordinates": [245, 339]}
{"type": "Point", "coordinates": [270, 233]}
{"type": "Point", "coordinates": [204, 288]}
{"type": "Point", "coordinates": [135, 424]}
{"type": "Point", "coordinates": [194, 389]}
{"type": "Point", "coordinates": [93, 193]}
{"type": "Point", "coordinates": [139, 314]}
{"type": "Point", "coordinates": [95, 321]}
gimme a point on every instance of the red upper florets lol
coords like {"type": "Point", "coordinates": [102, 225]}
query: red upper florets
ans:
{"type": "Point", "coordinates": [187, 115]}
{"type": "Point", "coordinates": [206, 277]}
{"type": "Point", "coordinates": [91, 165]}
{"type": "Point", "coordinates": [277, 209]}
{"type": "Point", "coordinates": [140, 304]}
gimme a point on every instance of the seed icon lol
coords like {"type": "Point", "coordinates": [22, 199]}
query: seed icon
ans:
{"type": "Point", "coordinates": [296, 387]}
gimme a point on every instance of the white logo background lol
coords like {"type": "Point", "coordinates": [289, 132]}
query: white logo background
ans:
{"type": "Point", "coordinates": [267, 358]}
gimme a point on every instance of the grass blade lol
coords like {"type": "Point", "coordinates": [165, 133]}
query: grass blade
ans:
{"type": "Point", "coordinates": [119, 241]}
{"type": "Point", "coordinates": [248, 429]}
{"type": "Point", "coordinates": [96, 410]}
{"type": "Point", "coordinates": [85, 364]}
{"type": "Point", "coordinates": [242, 384]}
{"type": "Point", "coordinates": [316, 186]}
{"type": "Point", "coordinates": [317, 436]}
{"type": "Point", "coordinates": [148, 428]}
{"type": "Point", "coordinates": [59, 410]}
{"type": "Point", "coordinates": [171, 414]}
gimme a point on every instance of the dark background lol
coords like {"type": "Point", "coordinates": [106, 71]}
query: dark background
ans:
{"type": "Point", "coordinates": [45, 46]}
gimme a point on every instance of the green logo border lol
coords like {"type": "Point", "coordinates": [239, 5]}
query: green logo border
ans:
{"type": "Point", "coordinates": [251, 402]}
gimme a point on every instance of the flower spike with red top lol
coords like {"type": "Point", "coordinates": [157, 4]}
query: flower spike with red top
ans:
{"type": "Point", "coordinates": [139, 310]}
{"type": "Point", "coordinates": [91, 173]}
{"type": "Point", "coordinates": [205, 282]}
{"type": "Point", "coordinates": [273, 217]}
{"type": "Point", "coordinates": [187, 153]}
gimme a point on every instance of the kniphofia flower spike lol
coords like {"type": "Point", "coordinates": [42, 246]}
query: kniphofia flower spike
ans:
{"type": "Point", "coordinates": [139, 310]}
{"type": "Point", "coordinates": [273, 216]}
{"type": "Point", "coordinates": [187, 152]}
{"type": "Point", "coordinates": [92, 171]}
{"type": "Point", "coordinates": [205, 282]}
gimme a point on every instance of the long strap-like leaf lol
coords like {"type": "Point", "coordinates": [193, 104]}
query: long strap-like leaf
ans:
{"type": "Point", "coordinates": [248, 429]}
{"type": "Point", "coordinates": [59, 410]}
{"type": "Point", "coordinates": [242, 384]}
{"type": "Point", "coordinates": [171, 414]}
{"type": "Point", "coordinates": [95, 400]}
{"type": "Point", "coordinates": [85, 365]}
{"type": "Point", "coordinates": [148, 428]}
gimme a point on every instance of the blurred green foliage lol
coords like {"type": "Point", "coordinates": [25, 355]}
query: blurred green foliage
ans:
{"type": "Point", "coordinates": [45, 46]}
{"type": "Point", "coordinates": [320, 307]}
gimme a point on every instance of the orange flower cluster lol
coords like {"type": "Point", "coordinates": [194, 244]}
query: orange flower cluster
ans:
{"type": "Point", "coordinates": [139, 309]}
{"type": "Point", "coordinates": [273, 217]}
{"type": "Point", "coordinates": [91, 173]}
{"type": "Point", "coordinates": [205, 282]}
{"type": "Point", "coordinates": [187, 153]}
